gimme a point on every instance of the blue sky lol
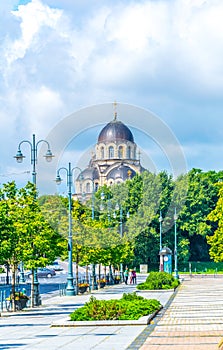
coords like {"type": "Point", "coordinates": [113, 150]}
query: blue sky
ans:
{"type": "Point", "coordinates": [61, 56]}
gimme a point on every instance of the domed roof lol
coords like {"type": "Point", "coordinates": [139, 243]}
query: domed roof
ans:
{"type": "Point", "coordinates": [123, 172]}
{"type": "Point", "coordinates": [115, 131]}
{"type": "Point", "coordinates": [88, 173]}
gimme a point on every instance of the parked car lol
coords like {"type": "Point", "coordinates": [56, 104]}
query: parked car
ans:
{"type": "Point", "coordinates": [42, 272]}
{"type": "Point", "coordinates": [56, 266]}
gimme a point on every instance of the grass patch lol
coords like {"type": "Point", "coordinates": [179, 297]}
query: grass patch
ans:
{"type": "Point", "coordinates": [129, 307]}
{"type": "Point", "coordinates": [159, 280]}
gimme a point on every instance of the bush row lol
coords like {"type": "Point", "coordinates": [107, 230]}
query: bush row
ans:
{"type": "Point", "coordinates": [159, 280]}
{"type": "Point", "coordinates": [129, 307]}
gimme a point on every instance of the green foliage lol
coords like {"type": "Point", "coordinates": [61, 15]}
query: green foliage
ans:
{"type": "Point", "coordinates": [159, 280]}
{"type": "Point", "coordinates": [216, 217]}
{"type": "Point", "coordinates": [129, 307]}
{"type": "Point", "coordinates": [201, 199]}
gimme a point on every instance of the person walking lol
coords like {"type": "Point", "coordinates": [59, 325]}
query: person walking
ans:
{"type": "Point", "coordinates": [133, 276]}
{"type": "Point", "coordinates": [126, 275]}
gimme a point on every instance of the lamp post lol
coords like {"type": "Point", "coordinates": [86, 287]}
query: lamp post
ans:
{"type": "Point", "coordinates": [107, 197]}
{"type": "Point", "coordinates": [19, 158]}
{"type": "Point", "coordinates": [176, 275]}
{"type": "Point", "coordinates": [70, 278]}
{"type": "Point", "coordinates": [160, 221]}
{"type": "Point", "coordinates": [119, 207]}
{"type": "Point", "coordinates": [94, 284]}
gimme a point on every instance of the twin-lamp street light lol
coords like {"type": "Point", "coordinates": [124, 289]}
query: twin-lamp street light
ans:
{"type": "Point", "coordinates": [120, 209]}
{"type": "Point", "coordinates": [176, 275]}
{"type": "Point", "coordinates": [70, 278]}
{"type": "Point", "coordinates": [19, 158]}
{"type": "Point", "coordinates": [175, 217]}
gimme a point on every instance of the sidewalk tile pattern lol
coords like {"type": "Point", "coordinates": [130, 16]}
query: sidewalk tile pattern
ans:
{"type": "Point", "coordinates": [193, 320]}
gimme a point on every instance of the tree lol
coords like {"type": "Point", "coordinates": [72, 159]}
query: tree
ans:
{"type": "Point", "coordinates": [26, 235]}
{"type": "Point", "coordinates": [216, 216]}
{"type": "Point", "coordinates": [201, 198]}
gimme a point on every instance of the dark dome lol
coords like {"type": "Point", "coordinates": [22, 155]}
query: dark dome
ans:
{"type": "Point", "coordinates": [88, 173]}
{"type": "Point", "coordinates": [115, 131]}
{"type": "Point", "coordinates": [122, 171]}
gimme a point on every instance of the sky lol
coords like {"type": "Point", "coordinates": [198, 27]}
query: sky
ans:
{"type": "Point", "coordinates": [64, 62]}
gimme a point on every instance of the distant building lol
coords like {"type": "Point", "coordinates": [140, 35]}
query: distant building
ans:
{"type": "Point", "coordinates": [114, 161]}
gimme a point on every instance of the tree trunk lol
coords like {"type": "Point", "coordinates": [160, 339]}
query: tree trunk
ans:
{"type": "Point", "coordinates": [32, 289]}
{"type": "Point", "coordinates": [13, 287]}
{"type": "Point", "coordinates": [87, 275]}
{"type": "Point", "coordinates": [99, 271]}
{"type": "Point", "coordinates": [77, 261]}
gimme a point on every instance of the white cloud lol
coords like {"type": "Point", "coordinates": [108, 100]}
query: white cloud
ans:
{"type": "Point", "coordinates": [32, 17]}
{"type": "Point", "coordinates": [57, 57]}
{"type": "Point", "coordinates": [46, 104]}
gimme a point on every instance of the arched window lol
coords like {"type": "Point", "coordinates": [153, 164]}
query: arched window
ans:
{"type": "Point", "coordinates": [120, 152]}
{"type": "Point", "coordinates": [96, 186]}
{"type": "Point", "coordinates": [134, 154]}
{"type": "Point", "coordinates": [102, 152]}
{"type": "Point", "coordinates": [111, 152]}
{"type": "Point", "coordinates": [88, 187]}
{"type": "Point", "coordinates": [129, 152]}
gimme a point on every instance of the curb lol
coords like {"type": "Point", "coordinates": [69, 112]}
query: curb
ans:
{"type": "Point", "coordinates": [144, 320]}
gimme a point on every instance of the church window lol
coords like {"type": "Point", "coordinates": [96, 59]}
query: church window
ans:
{"type": "Point", "coordinates": [88, 187]}
{"type": "Point", "coordinates": [111, 152]}
{"type": "Point", "coordinates": [129, 152]}
{"type": "Point", "coordinates": [120, 152]}
{"type": "Point", "coordinates": [134, 154]}
{"type": "Point", "coordinates": [102, 152]}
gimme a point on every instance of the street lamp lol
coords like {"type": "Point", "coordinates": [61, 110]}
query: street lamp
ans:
{"type": "Point", "coordinates": [33, 146]}
{"type": "Point", "coordinates": [160, 221]}
{"type": "Point", "coordinates": [94, 284]}
{"type": "Point", "coordinates": [70, 278]}
{"type": "Point", "coordinates": [176, 275]}
{"type": "Point", "coordinates": [119, 207]}
{"type": "Point", "coordinates": [107, 198]}
{"type": "Point", "coordinates": [19, 158]}
{"type": "Point", "coordinates": [103, 197]}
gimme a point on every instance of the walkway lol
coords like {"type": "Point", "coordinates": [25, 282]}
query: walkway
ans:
{"type": "Point", "coordinates": [193, 321]}
{"type": "Point", "coordinates": [31, 329]}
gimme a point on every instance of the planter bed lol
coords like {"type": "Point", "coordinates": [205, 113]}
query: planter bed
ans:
{"type": "Point", "coordinates": [65, 322]}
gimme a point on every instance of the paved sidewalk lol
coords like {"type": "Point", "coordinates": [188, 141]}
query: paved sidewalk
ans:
{"type": "Point", "coordinates": [193, 321]}
{"type": "Point", "coordinates": [32, 329]}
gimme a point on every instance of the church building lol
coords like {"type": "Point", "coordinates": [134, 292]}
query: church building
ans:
{"type": "Point", "coordinates": [114, 160]}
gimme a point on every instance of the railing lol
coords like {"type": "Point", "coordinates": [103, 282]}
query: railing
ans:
{"type": "Point", "coordinates": [5, 288]}
{"type": "Point", "coordinates": [8, 280]}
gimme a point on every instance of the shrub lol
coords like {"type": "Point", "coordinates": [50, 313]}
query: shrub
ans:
{"type": "Point", "coordinates": [159, 280]}
{"type": "Point", "coordinates": [129, 307]}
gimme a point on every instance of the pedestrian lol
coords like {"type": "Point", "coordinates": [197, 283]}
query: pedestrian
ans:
{"type": "Point", "coordinates": [133, 276]}
{"type": "Point", "coordinates": [130, 276]}
{"type": "Point", "coordinates": [126, 275]}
